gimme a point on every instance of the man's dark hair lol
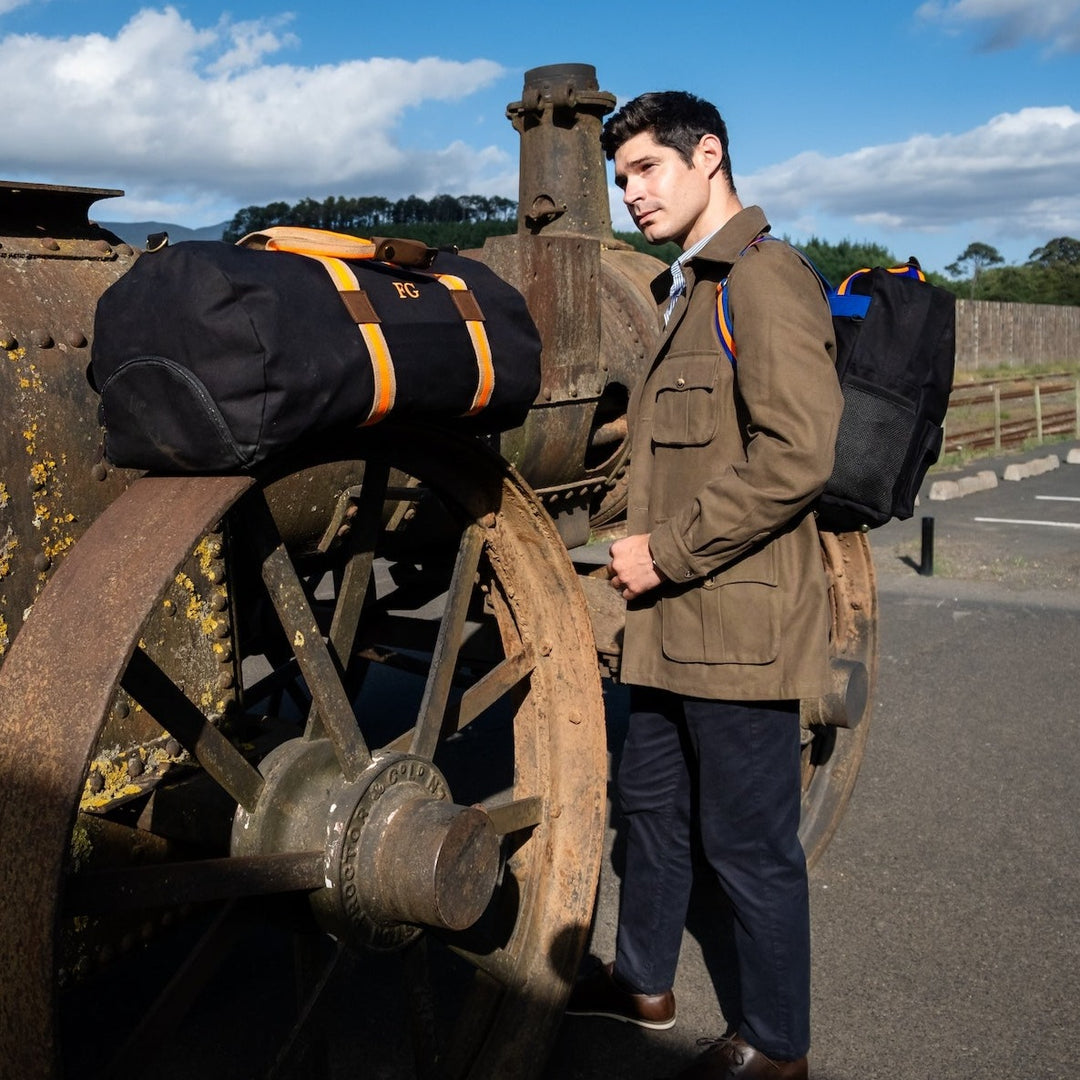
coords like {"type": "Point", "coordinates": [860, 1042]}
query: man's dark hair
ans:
{"type": "Point", "coordinates": [674, 118]}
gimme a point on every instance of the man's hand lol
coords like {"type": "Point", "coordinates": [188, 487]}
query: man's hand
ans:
{"type": "Point", "coordinates": [631, 569]}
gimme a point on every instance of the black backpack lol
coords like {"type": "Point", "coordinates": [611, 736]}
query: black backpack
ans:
{"type": "Point", "coordinates": [895, 356]}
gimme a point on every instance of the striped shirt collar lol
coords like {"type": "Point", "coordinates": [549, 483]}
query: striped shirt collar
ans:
{"type": "Point", "coordinates": [678, 278]}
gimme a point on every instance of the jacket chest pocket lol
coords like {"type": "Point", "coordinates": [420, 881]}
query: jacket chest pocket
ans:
{"type": "Point", "coordinates": [686, 411]}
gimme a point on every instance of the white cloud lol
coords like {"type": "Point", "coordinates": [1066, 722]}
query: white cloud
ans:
{"type": "Point", "coordinates": [11, 5]}
{"type": "Point", "coordinates": [198, 118]}
{"type": "Point", "coordinates": [1015, 175]}
{"type": "Point", "coordinates": [1007, 23]}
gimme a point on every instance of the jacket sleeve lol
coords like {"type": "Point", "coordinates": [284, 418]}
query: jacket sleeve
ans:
{"type": "Point", "coordinates": [789, 404]}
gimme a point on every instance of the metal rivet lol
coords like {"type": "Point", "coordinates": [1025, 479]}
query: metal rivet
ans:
{"type": "Point", "coordinates": [97, 782]}
{"type": "Point", "coordinates": [41, 339]}
{"type": "Point", "coordinates": [49, 244]}
{"type": "Point", "coordinates": [7, 340]}
{"type": "Point", "coordinates": [126, 249]}
{"type": "Point", "coordinates": [102, 246]}
{"type": "Point", "coordinates": [42, 562]}
{"type": "Point", "coordinates": [99, 472]}
{"type": "Point", "coordinates": [75, 338]}
{"type": "Point", "coordinates": [172, 748]}
{"type": "Point", "coordinates": [135, 766]}
{"type": "Point", "coordinates": [680, 381]}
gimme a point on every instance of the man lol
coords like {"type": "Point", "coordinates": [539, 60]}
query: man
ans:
{"type": "Point", "coordinates": [727, 615]}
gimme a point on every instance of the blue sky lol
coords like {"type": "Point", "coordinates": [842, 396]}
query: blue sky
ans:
{"type": "Point", "coordinates": [919, 126]}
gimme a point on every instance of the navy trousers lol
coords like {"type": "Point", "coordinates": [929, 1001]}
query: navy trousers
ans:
{"type": "Point", "coordinates": [726, 775]}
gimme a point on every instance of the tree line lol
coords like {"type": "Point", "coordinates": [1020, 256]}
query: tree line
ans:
{"type": "Point", "coordinates": [1051, 274]}
{"type": "Point", "coordinates": [375, 214]}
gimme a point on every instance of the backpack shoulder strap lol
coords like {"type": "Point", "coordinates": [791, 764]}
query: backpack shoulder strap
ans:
{"type": "Point", "coordinates": [724, 326]}
{"type": "Point", "coordinates": [842, 301]}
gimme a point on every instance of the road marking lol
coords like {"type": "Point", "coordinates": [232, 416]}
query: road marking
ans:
{"type": "Point", "coordinates": [1017, 521]}
{"type": "Point", "coordinates": [1059, 498]}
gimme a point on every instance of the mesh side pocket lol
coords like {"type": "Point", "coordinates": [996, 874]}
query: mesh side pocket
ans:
{"type": "Point", "coordinates": [871, 448]}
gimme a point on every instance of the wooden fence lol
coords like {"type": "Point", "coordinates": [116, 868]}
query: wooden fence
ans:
{"type": "Point", "coordinates": [1011, 412]}
{"type": "Point", "coordinates": [990, 334]}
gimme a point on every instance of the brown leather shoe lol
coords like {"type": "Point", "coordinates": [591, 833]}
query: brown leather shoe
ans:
{"type": "Point", "coordinates": [733, 1058]}
{"type": "Point", "coordinates": [599, 994]}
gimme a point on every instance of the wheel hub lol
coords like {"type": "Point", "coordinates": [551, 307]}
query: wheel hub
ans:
{"type": "Point", "coordinates": [400, 854]}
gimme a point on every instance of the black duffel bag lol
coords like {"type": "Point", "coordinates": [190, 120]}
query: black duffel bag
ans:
{"type": "Point", "coordinates": [211, 357]}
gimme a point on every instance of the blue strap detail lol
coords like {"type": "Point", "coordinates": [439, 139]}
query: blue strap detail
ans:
{"type": "Point", "coordinates": [849, 305]}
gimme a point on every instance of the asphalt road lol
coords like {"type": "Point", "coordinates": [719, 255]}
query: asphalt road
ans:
{"type": "Point", "coordinates": [945, 911]}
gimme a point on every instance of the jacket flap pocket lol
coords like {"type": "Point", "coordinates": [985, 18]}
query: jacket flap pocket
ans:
{"type": "Point", "coordinates": [686, 410]}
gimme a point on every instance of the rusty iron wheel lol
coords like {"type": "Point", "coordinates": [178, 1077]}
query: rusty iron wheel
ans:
{"type": "Point", "coordinates": [832, 754]}
{"type": "Point", "coordinates": [383, 859]}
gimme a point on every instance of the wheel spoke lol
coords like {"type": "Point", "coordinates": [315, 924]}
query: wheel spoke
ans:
{"type": "Point", "coordinates": [422, 1010]}
{"type": "Point", "coordinates": [517, 815]}
{"type": "Point", "coordinates": [356, 576]}
{"type": "Point", "coordinates": [315, 977]}
{"type": "Point", "coordinates": [484, 693]}
{"type": "Point", "coordinates": [444, 657]}
{"type": "Point", "coordinates": [321, 673]}
{"type": "Point", "coordinates": [130, 888]}
{"type": "Point", "coordinates": [164, 1016]}
{"type": "Point", "coordinates": [169, 706]}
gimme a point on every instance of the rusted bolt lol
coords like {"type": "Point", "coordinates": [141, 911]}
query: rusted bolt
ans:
{"type": "Point", "coordinates": [42, 562]}
{"type": "Point", "coordinates": [49, 244]}
{"type": "Point", "coordinates": [135, 766]}
{"type": "Point", "coordinates": [75, 338]}
{"type": "Point", "coordinates": [172, 748]}
{"type": "Point", "coordinates": [96, 782]}
{"type": "Point", "coordinates": [99, 472]}
{"type": "Point", "coordinates": [7, 340]}
{"type": "Point", "coordinates": [41, 339]}
{"type": "Point", "coordinates": [215, 575]}
{"type": "Point", "coordinates": [102, 246]}
{"type": "Point", "coordinates": [125, 249]}
{"type": "Point", "coordinates": [225, 680]}
{"type": "Point", "coordinates": [219, 602]}
{"type": "Point", "coordinates": [213, 548]}
{"type": "Point", "coordinates": [122, 710]}
{"type": "Point", "coordinates": [222, 628]}
{"type": "Point", "coordinates": [169, 607]}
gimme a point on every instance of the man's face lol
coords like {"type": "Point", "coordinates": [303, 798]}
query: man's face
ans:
{"type": "Point", "coordinates": [665, 197]}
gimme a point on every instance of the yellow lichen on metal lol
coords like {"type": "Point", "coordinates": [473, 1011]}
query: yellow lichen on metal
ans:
{"type": "Point", "coordinates": [82, 848]}
{"type": "Point", "coordinates": [116, 784]}
{"type": "Point", "coordinates": [4, 497]}
{"type": "Point", "coordinates": [7, 549]}
{"type": "Point", "coordinates": [198, 610]}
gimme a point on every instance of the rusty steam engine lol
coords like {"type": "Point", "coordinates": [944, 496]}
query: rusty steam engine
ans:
{"type": "Point", "coordinates": [320, 752]}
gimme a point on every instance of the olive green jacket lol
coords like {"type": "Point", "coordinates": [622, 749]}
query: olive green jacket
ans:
{"type": "Point", "coordinates": [726, 462]}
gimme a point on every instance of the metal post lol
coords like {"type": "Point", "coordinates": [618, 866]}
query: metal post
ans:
{"type": "Point", "coordinates": [1038, 415]}
{"type": "Point", "coordinates": [926, 561]}
{"type": "Point", "coordinates": [997, 419]}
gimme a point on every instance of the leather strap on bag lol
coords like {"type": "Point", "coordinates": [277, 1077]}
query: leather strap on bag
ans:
{"type": "Point", "coordinates": [333, 250]}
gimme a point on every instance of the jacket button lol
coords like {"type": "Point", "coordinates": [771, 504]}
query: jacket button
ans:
{"type": "Point", "coordinates": [687, 574]}
{"type": "Point", "coordinates": [680, 381]}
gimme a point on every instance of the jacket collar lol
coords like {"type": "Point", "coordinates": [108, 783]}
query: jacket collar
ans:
{"type": "Point", "coordinates": [724, 247]}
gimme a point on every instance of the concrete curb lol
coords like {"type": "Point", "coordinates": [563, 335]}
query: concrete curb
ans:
{"type": "Point", "coordinates": [943, 490]}
{"type": "Point", "coordinates": [1021, 470]}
